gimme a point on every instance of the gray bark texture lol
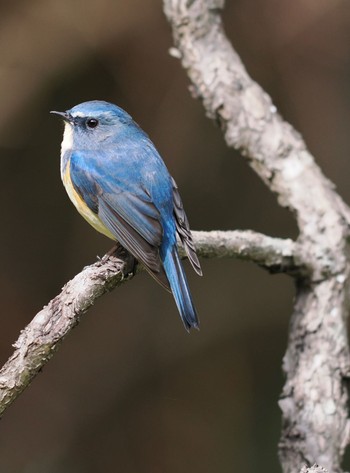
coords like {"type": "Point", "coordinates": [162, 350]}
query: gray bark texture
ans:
{"type": "Point", "coordinates": [315, 424]}
{"type": "Point", "coordinates": [40, 339]}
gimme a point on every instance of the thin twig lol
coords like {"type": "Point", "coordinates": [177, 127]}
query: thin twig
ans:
{"type": "Point", "coordinates": [274, 254]}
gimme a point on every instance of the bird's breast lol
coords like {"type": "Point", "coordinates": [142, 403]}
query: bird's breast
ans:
{"type": "Point", "coordinates": [79, 203]}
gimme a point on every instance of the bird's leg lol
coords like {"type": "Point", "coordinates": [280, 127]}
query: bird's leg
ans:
{"type": "Point", "coordinates": [113, 251]}
{"type": "Point", "coordinates": [131, 268]}
{"type": "Point", "coordinates": [120, 253]}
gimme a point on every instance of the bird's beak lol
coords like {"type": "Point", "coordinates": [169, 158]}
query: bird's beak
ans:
{"type": "Point", "coordinates": [67, 117]}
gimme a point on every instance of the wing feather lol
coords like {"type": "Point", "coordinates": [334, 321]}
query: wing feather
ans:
{"type": "Point", "coordinates": [141, 249]}
{"type": "Point", "coordinates": [128, 213]}
{"type": "Point", "coordinates": [183, 230]}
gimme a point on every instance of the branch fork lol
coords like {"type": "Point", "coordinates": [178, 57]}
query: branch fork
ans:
{"type": "Point", "coordinates": [315, 423]}
{"type": "Point", "coordinates": [317, 359]}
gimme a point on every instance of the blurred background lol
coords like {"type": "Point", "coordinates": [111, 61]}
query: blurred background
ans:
{"type": "Point", "coordinates": [129, 390]}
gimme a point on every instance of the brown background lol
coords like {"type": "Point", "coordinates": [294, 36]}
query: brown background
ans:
{"type": "Point", "coordinates": [129, 390]}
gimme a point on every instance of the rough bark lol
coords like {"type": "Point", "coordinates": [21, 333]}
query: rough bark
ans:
{"type": "Point", "coordinates": [43, 335]}
{"type": "Point", "coordinates": [313, 469]}
{"type": "Point", "coordinates": [314, 399]}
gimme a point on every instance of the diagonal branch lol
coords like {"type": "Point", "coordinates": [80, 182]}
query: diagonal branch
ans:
{"type": "Point", "coordinates": [43, 335]}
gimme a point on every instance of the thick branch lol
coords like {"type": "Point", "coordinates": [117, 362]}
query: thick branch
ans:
{"type": "Point", "coordinates": [251, 124]}
{"type": "Point", "coordinates": [40, 339]}
{"type": "Point", "coordinates": [314, 399]}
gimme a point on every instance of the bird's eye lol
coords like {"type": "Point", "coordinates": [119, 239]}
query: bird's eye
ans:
{"type": "Point", "coordinates": [91, 123]}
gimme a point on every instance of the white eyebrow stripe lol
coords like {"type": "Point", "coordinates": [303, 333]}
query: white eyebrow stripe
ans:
{"type": "Point", "coordinates": [78, 115]}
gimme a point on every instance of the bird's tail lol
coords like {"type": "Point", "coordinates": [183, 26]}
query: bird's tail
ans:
{"type": "Point", "coordinates": [179, 286]}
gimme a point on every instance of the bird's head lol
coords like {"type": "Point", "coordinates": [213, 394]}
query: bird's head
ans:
{"type": "Point", "coordinates": [92, 124]}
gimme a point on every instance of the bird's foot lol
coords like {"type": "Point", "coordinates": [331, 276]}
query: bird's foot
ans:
{"type": "Point", "coordinates": [114, 251]}
{"type": "Point", "coordinates": [130, 267]}
{"type": "Point", "coordinates": [118, 252]}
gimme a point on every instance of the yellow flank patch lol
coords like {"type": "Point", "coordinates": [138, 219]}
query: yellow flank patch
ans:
{"type": "Point", "coordinates": [81, 206]}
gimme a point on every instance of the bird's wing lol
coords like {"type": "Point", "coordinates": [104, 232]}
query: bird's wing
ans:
{"type": "Point", "coordinates": [183, 230]}
{"type": "Point", "coordinates": [125, 208]}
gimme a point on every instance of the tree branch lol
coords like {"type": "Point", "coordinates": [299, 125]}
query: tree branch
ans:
{"type": "Point", "coordinates": [274, 254]}
{"type": "Point", "coordinates": [314, 399]}
{"type": "Point", "coordinates": [313, 469]}
{"type": "Point", "coordinates": [43, 335]}
{"type": "Point", "coordinates": [40, 339]}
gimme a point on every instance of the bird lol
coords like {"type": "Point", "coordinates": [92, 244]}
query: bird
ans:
{"type": "Point", "coordinates": [119, 183]}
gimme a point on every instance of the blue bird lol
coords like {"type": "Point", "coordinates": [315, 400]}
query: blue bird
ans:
{"type": "Point", "coordinates": [118, 182]}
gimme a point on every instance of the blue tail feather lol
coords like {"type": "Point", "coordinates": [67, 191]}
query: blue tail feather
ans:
{"type": "Point", "coordinates": [179, 286]}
